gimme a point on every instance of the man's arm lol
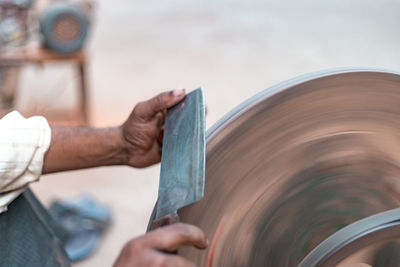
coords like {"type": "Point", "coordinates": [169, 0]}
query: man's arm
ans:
{"type": "Point", "coordinates": [136, 143]}
{"type": "Point", "coordinates": [78, 148]}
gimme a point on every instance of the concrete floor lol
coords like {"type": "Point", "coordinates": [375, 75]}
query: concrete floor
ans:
{"type": "Point", "coordinates": [232, 48]}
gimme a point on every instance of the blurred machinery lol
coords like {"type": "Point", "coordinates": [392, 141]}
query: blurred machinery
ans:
{"type": "Point", "coordinates": [37, 32]}
{"type": "Point", "coordinates": [14, 22]}
{"type": "Point", "coordinates": [296, 163]}
{"type": "Point", "coordinates": [64, 25]}
{"type": "Point", "coordinates": [14, 29]}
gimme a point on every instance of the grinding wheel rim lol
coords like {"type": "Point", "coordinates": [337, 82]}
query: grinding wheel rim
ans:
{"type": "Point", "coordinates": [378, 228]}
{"type": "Point", "coordinates": [249, 103]}
{"type": "Point", "coordinates": [236, 242]}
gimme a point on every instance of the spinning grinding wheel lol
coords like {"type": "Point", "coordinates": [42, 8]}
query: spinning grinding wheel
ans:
{"type": "Point", "coordinates": [296, 163]}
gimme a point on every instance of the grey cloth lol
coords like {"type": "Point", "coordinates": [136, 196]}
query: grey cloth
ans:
{"type": "Point", "coordinates": [29, 236]}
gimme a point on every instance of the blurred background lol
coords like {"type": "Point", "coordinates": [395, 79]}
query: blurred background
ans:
{"type": "Point", "coordinates": [136, 49]}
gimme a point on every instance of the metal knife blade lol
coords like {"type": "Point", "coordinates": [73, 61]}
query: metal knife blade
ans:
{"type": "Point", "coordinates": [183, 155]}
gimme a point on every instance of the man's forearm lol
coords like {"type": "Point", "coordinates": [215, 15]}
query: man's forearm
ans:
{"type": "Point", "coordinates": [135, 143]}
{"type": "Point", "coordinates": [78, 148]}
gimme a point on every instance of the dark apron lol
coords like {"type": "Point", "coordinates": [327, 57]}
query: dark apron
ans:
{"type": "Point", "coordinates": [29, 236]}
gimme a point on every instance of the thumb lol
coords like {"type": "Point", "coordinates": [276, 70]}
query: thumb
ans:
{"type": "Point", "coordinates": [164, 101]}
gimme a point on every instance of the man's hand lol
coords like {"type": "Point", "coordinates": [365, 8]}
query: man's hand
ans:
{"type": "Point", "coordinates": [152, 249]}
{"type": "Point", "coordinates": [142, 132]}
{"type": "Point", "coordinates": [136, 143]}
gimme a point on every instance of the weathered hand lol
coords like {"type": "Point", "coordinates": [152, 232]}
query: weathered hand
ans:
{"type": "Point", "coordinates": [152, 249]}
{"type": "Point", "coordinates": [142, 132]}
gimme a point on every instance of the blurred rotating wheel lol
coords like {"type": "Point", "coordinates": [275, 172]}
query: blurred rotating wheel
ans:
{"type": "Point", "coordinates": [377, 236]}
{"type": "Point", "coordinates": [296, 163]}
{"type": "Point", "coordinates": [64, 27]}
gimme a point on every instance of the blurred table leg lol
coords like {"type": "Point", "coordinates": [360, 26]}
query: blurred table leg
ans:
{"type": "Point", "coordinates": [83, 107]}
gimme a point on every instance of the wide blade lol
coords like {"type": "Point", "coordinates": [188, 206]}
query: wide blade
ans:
{"type": "Point", "coordinates": [183, 155]}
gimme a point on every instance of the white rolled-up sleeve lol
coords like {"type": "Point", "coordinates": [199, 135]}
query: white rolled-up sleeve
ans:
{"type": "Point", "coordinates": [23, 144]}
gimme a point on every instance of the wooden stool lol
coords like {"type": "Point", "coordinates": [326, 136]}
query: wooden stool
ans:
{"type": "Point", "coordinates": [40, 56]}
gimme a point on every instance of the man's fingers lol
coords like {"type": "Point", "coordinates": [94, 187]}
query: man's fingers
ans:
{"type": "Point", "coordinates": [163, 101]}
{"type": "Point", "coordinates": [171, 237]}
{"type": "Point", "coordinates": [149, 249]}
{"type": "Point", "coordinates": [136, 253]}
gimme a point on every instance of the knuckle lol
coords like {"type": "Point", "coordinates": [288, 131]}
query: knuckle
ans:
{"type": "Point", "coordinates": [184, 236]}
{"type": "Point", "coordinates": [183, 231]}
{"type": "Point", "coordinates": [191, 233]}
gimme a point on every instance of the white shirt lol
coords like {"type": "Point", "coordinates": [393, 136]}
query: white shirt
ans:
{"type": "Point", "coordinates": [23, 144]}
